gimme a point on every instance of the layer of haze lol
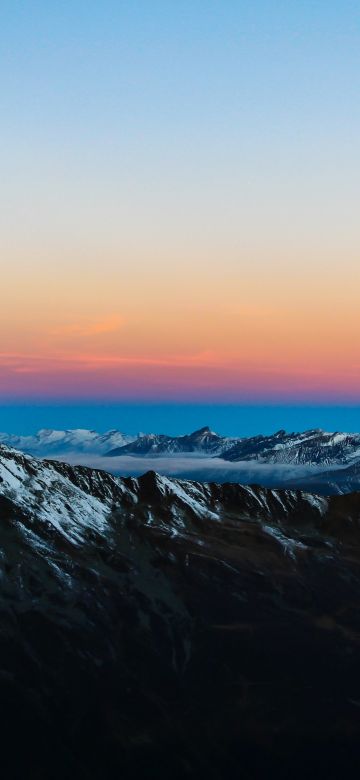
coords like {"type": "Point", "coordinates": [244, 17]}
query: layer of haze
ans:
{"type": "Point", "coordinates": [180, 188]}
{"type": "Point", "coordinates": [200, 468]}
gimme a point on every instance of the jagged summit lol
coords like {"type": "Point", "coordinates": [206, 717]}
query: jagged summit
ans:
{"type": "Point", "coordinates": [203, 431]}
{"type": "Point", "coordinates": [203, 440]}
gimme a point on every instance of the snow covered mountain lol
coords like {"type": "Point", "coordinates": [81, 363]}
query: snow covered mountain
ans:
{"type": "Point", "coordinates": [78, 500]}
{"type": "Point", "coordinates": [165, 624]}
{"type": "Point", "coordinates": [311, 447]}
{"type": "Point", "coordinates": [47, 441]}
{"type": "Point", "coordinates": [203, 441]}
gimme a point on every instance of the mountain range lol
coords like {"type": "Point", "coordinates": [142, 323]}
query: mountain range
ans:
{"type": "Point", "coordinates": [48, 441]}
{"type": "Point", "coordinates": [314, 460]}
{"type": "Point", "coordinates": [312, 447]}
{"type": "Point", "coordinates": [203, 441]}
{"type": "Point", "coordinates": [155, 625]}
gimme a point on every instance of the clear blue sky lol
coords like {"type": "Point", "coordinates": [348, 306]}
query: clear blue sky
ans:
{"type": "Point", "coordinates": [177, 419]}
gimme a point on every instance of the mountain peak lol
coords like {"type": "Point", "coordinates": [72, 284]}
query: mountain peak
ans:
{"type": "Point", "coordinates": [205, 431]}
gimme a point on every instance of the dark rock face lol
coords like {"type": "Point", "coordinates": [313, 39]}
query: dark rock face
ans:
{"type": "Point", "coordinates": [154, 628]}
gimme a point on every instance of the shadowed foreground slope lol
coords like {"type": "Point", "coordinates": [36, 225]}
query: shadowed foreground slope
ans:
{"type": "Point", "coordinates": [153, 628]}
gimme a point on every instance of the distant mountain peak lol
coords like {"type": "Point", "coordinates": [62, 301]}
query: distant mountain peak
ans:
{"type": "Point", "coordinates": [205, 431]}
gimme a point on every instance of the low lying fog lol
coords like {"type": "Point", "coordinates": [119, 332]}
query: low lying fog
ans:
{"type": "Point", "coordinates": [194, 467]}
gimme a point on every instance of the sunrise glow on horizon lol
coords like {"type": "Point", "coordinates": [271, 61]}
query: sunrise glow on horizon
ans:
{"type": "Point", "coordinates": [181, 201]}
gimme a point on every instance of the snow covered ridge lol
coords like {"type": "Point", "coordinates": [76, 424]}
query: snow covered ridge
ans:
{"type": "Point", "coordinates": [38, 490]}
{"type": "Point", "coordinates": [78, 502]}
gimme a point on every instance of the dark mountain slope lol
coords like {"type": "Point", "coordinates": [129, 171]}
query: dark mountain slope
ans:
{"type": "Point", "coordinates": [152, 627]}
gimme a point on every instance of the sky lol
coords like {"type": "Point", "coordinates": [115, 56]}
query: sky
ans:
{"type": "Point", "coordinates": [179, 202]}
{"type": "Point", "coordinates": [176, 419]}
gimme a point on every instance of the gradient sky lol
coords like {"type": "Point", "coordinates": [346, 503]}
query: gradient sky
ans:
{"type": "Point", "coordinates": [179, 200]}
